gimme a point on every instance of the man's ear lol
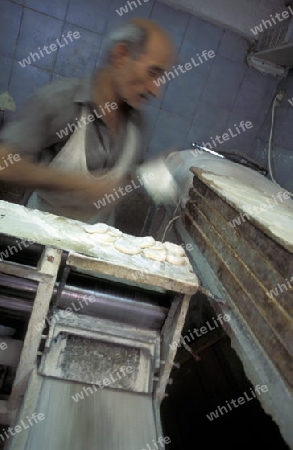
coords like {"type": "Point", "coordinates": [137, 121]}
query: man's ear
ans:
{"type": "Point", "coordinates": [120, 54]}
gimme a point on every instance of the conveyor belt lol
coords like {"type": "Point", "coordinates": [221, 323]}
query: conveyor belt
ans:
{"type": "Point", "coordinates": [104, 420]}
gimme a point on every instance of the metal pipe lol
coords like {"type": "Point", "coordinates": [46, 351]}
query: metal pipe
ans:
{"type": "Point", "coordinates": [94, 302]}
{"type": "Point", "coordinates": [20, 284]}
{"type": "Point", "coordinates": [113, 307]}
{"type": "Point", "coordinates": [16, 304]}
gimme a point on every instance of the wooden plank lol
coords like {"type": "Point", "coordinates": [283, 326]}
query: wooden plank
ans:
{"type": "Point", "coordinates": [49, 266]}
{"type": "Point", "coordinates": [171, 332]}
{"type": "Point", "coordinates": [94, 266]}
{"type": "Point", "coordinates": [18, 270]}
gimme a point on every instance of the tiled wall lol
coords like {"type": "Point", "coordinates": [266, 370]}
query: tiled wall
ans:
{"type": "Point", "coordinates": [195, 106]}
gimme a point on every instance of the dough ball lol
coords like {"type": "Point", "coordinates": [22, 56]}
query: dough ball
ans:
{"type": "Point", "coordinates": [176, 260]}
{"type": "Point", "coordinates": [155, 255]}
{"type": "Point", "coordinates": [158, 246]}
{"type": "Point", "coordinates": [175, 249]}
{"type": "Point", "coordinates": [100, 228]}
{"type": "Point", "coordinates": [104, 238]}
{"type": "Point", "coordinates": [114, 232]}
{"type": "Point", "coordinates": [126, 246]}
{"type": "Point", "coordinates": [145, 242]}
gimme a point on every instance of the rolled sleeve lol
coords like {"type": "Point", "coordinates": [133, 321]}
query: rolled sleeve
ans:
{"type": "Point", "coordinates": [38, 121]}
{"type": "Point", "coordinates": [29, 133]}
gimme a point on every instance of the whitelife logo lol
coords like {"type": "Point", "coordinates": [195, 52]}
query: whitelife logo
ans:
{"type": "Point", "coordinates": [227, 136]}
{"type": "Point", "coordinates": [87, 119]}
{"type": "Point", "coordinates": [10, 160]}
{"type": "Point", "coordinates": [240, 400]}
{"type": "Point", "coordinates": [122, 372]}
{"type": "Point", "coordinates": [259, 209]}
{"type": "Point", "coordinates": [202, 330]}
{"type": "Point", "coordinates": [280, 287]}
{"type": "Point", "coordinates": [11, 250]}
{"type": "Point", "coordinates": [187, 66]}
{"type": "Point", "coordinates": [53, 47]}
{"type": "Point", "coordinates": [161, 441]}
{"type": "Point", "coordinates": [22, 426]}
{"type": "Point", "coordinates": [124, 9]}
{"type": "Point", "coordinates": [270, 23]}
{"type": "Point", "coordinates": [3, 346]}
{"type": "Point", "coordinates": [108, 198]}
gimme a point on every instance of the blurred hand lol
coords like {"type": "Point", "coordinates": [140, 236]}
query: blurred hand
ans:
{"type": "Point", "coordinates": [163, 188]}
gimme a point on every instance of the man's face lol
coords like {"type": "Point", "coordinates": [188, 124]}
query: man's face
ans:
{"type": "Point", "coordinates": [135, 79]}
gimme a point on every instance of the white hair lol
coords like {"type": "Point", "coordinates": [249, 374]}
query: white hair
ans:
{"type": "Point", "coordinates": [131, 34]}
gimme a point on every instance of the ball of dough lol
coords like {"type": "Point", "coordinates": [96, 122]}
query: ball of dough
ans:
{"type": "Point", "coordinates": [176, 260]}
{"type": "Point", "coordinates": [158, 246]}
{"type": "Point", "coordinates": [155, 255]}
{"type": "Point", "coordinates": [100, 228]}
{"type": "Point", "coordinates": [114, 232]}
{"type": "Point", "coordinates": [127, 247]}
{"type": "Point", "coordinates": [145, 242]}
{"type": "Point", "coordinates": [104, 238]}
{"type": "Point", "coordinates": [175, 249]}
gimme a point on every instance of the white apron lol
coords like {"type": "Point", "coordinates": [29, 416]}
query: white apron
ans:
{"type": "Point", "coordinates": [72, 158]}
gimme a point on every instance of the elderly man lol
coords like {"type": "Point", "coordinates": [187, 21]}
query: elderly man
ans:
{"type": "Point", "coordinates": [78, 139]}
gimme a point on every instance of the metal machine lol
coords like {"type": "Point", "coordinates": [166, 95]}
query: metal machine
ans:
{"type": "Point", "coordinates": [92, 356]}
{"type": "Point", "coordinates": [95, 325]}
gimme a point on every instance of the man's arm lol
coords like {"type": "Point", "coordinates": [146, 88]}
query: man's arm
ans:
{"type": "Point", "coordinates": [31, 132]}
{"type": "Point", "coordinates": [38, 176]}
{"type": "Point", "coordinates": [33, 175]}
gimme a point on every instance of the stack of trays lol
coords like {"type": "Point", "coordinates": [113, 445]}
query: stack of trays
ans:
{"type": "Point", "coordinates": [255, 269]}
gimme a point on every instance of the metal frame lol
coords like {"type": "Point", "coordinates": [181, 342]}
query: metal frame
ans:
{"type": "Point", "coordinates": [171, 332]}
{"type": "Point", "coordinates": [107, 332]}
{"type": "Point", "coordinates": [45, 274]}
